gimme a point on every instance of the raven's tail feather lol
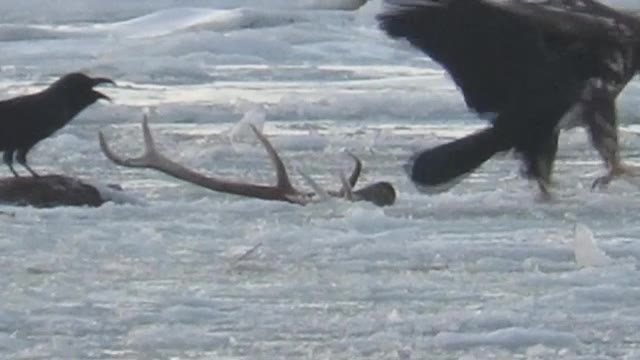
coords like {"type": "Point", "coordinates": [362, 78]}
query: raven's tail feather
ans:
{"type": "Point", "coordinates": [440, 168]}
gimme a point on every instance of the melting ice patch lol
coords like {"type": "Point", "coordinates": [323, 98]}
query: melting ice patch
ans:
{"type": "Point", "coordinates": [623, 4]}
{"type": "Point", "coordinates": [160, 23]}
{"type": "Point", "coordinates": [169, 21]}
{"type": "Point", "coordinates": [334, 4]}
{"type": "Point", "coordinates": [10, 32]}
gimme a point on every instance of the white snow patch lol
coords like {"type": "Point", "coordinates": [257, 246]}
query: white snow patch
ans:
{"type": "Point", "coordinates": [9, 343]}
{"type": "Point", "coordinates": [510, 338]}
{"type": "Point", "coordinates": [312, 141]}
{"type": "Point", "coordinates": [177, 336]}
{"type": "Point", "coordinates": [115, 194]}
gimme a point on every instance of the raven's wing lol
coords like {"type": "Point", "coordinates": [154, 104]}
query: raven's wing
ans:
{"type": "Point", "coordinates": [24, 119]}
{"type": "Point", "coordinates": [491, 48]}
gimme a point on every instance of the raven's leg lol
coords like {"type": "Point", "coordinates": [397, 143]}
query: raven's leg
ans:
{"type": "Point", "coordinates": [7, 157]}
{"type": "Point", "coordinates": [21, 158]}
{"type": "Point", "coordinates": [601, 120]}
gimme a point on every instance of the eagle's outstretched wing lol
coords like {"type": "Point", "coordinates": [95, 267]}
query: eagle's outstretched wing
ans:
{"type": "Point", "coordinates": [587, 20]}
{"type": "Point", "coordinates": [490, 47]}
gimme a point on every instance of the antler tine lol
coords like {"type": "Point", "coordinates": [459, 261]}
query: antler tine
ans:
{"type": "Point", "coordinates": [149, 143]}
{"type": "Point", "coordinates": [147, 159]}
{"type": "Point", "coordinates": [116, 159]}
{"type": "Point", "coordinates": [106, 150]}
{"type": "Point", "coordinates": [282, 177]}
{"type": "Point", "coordinates": [355, 174]}
{"type": "Point", "coordinates": [347, 189]}
{"type": "Point", "coordinates": [320, 192]}
{"type": "Point", "coordinates": [353, 179]}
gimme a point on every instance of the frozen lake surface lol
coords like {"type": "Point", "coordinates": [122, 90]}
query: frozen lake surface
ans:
{"type": "Point", "coordinates": [485, 271]}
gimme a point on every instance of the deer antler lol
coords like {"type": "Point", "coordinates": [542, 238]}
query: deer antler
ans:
{"type": "Point", "coordinates": [152, 159]}
{"type": "Point", "coordinates": [379, 193]}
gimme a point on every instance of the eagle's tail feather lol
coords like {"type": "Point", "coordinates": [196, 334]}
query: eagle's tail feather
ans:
{"type": "Point", "coordinates": [439, 168]}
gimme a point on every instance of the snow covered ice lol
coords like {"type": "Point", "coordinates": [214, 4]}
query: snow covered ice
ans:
{"type": "Point", "coordinates": [483, 271]}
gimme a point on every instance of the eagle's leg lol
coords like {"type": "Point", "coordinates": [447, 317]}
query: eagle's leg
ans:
{"type": "Point", "coordinates": [545, 169]}
{"type": "Point", "coordinates": [548, 157]}
{"type": "Point", "coordinates": [538, 169]}
{"type": "Point", "coordinates": [539, 166]}
{"type": "Point", "coordinates": [601, 120]}
{"type": "Point", "coordinates": [615, 169]}
{"type": "Point", "coordinates": [544, 161]}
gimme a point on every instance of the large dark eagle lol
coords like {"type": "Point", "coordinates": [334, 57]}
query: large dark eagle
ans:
{"type": "Point", "coordinates": [527, 63]}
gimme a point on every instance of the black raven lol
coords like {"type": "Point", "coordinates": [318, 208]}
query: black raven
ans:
{"type": "Point", "coordinates": [527, 63]}
{"type": "Point", "coordinates": [25, 120]}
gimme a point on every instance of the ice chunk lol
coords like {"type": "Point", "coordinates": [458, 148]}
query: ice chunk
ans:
{"type": "Point", "coordinates": [586, 250]}
{"type": "Point", "coordinates": [241, 130]}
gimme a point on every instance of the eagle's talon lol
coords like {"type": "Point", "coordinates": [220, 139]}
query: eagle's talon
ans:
{"type": "Point", "coordinates": [616, 172]}
{"type": "Point", "coordinates": [545, 194]}
{"type": "Point", "coordinates": [601, 182]}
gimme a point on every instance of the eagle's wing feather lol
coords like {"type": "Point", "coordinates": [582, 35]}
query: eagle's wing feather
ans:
{"type": "Point", "coordinates": [494, 48]}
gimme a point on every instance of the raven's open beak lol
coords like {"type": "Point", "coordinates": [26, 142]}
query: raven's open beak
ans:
{"type": "Point", "coordinates": [98, 81]}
